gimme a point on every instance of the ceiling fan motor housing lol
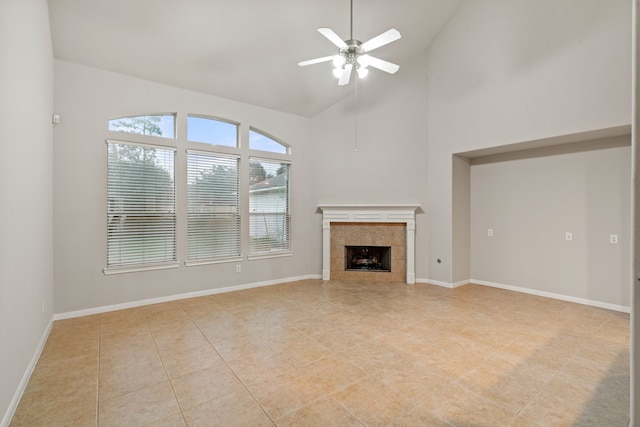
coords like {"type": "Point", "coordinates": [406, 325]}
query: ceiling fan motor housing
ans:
{"type": "Point", "coordinates": [352, 52]}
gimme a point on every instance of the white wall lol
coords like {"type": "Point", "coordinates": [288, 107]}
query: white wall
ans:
{"type": "Point", "coordinates": [635, 292]}
{"type": "Point", "coordinates": [531, 203]}
{"type": "Point", "coordinates": [461, 211]}
{"type": "Point", "coordinates": [85, 99]}
{"type": "Point", "coordinates": [510, 71]}
{"type": "Point", "coordinates": [388, 166]}
{"type": "Point", "coordinates": [26, 171]}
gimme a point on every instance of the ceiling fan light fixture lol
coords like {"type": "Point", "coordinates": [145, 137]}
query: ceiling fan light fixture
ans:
{"type": "Point", "coordinates": [363, 60]}
{"type": "Point", "coordinates": [338, 61]}
{"type": "Point", "coordinates": [362, 72]}
{"type": "Point", "coordinates": [337, 72]}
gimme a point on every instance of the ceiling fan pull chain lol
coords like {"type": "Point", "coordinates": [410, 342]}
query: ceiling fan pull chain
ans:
{"type": "Point", "coordinates": [355, 114]}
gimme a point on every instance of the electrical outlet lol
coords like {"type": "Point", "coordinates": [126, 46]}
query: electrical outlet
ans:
{"type": "Point", "coordinates": [613, 238]}
{"type": "Point", "coordinates": [490, 232]}
{"type": "Point", "coordinates": [568, 236]}
{"type": "Point", "coordinates": [238, 268]}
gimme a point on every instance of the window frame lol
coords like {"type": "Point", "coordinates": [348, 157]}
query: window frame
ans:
{"type": "Point", "coordinates": [241, 151]}
{"type": "Point", "coordinates": [281, 159]}
{"type": "Point", "coordinates": [267, 153]}
{"type": "Point", "coordinates": [122, 132]}
{"type": "Point", "coordinates": [209, 145]}
{"type": "Point", "coordinates": [116, 268]}
{"type": "Point", "coordinates": [227, 258]}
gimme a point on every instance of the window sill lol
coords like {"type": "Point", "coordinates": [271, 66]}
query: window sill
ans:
{"type": "Point", "coordinates": [119, 270]}
{"type": "Point", "coordinates": [270, 255]}
{"type": "Point", "coordinates": [212, 261]}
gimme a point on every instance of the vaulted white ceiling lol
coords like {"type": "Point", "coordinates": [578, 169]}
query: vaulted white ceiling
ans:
{"type": "Point", "coordinates": [245, 50]}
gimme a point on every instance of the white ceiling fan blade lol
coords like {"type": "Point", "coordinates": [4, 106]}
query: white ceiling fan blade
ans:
{"type": "Point", "coordinates": [383, 65]}
{"type": "Point", "coordinates": [346, 75]}
{"type": "Point", "coordinates": [333, 37]}
{"type": "Point", "coordinates": [315, 61]}
{"type": "Point", "coordinates": [384, 38]}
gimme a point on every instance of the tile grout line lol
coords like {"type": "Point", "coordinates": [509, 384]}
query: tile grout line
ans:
{"type": "Point", "coordinates": [155, 345]}
{"type": "Point", "coordinates": [546, 384]}
{"type": "Point", "coordinates": [583, 336]}
{"type": "Point", "coordinates": [98, 374]}
{"type": "Point", "coordinates": [228, 367]}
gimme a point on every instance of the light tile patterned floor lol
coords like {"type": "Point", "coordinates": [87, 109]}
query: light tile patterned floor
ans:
{"type": "Point", "coordinates": [316, 353]}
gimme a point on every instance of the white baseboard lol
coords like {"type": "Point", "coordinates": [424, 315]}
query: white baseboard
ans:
{"type": "Point", "coordinates": [561, 297]}
{"type": "Point", "coordinates": [583, 301]}
{"type": "Point", "coordinates": [122, 306]}
{"type": "Point", "coordinates": [11, 410]}
{"type": "Point", "coordinates": [462, 283]}
{"type": "Point", "coordinates": [443, 284]}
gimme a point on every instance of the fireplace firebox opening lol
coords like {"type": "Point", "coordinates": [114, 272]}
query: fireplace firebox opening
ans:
{"type": "Point", "coordinates": [367, 258]}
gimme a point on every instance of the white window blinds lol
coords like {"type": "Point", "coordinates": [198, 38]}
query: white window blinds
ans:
{"type": "Point", "coordinates": [141, 212]}
{"type": "Point", "coordinates": [213, 213]}
{"type": "Point", "coordinates": [269, 215]}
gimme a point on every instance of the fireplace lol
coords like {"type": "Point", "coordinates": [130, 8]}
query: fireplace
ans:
{"type": "Point", "coordinates": [370, 226]}
{"type": "Point", "coordinates": [368, 236]}
{"type": "Point", "coordinates": [367, 258]}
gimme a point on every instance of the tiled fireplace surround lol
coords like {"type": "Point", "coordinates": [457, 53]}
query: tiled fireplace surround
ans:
{"type": "Point", "coordinates": [369, 225]}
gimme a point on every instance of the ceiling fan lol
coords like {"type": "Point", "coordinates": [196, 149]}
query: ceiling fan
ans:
{"type": "Point", "coordinates": [355, 54]}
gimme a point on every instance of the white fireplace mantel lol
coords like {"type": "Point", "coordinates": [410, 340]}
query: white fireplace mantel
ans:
{"type": "Point", "coordinates": [402, 213]}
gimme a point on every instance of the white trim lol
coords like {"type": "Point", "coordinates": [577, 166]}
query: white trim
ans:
{"type": "Point", "coordinates": [213, 261]}
{"type": "Point", "coordinates": [142, 144]}
{"type": "Point", "coordinates": [287, 147]}
{"type": "Point", "coordinates": [267, 256]}
{"type": "Point", "coordinates": [461, 283]}
{"type": "Point", "coordinates": [11, 410]}
{"type": "Point", "coordinates": [114, 307]}
{"type": "Point", "coordinates": [444, 284]}
{"type": "Point", "coordinates": [351, 207]}
{"type": "Point", "coordinates": [592, 303]}
{"type": "Point", "coordinates": [118, 270]}
{"type": "Point", "coordinates": [286, 161]}
{"type": "Point", "coordinates": [583, 301]}
{"type": "Point", "coordinates": [215, 153]}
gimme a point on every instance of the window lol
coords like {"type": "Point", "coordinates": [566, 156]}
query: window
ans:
{"type": "Point", "coordinates": [157, 125]}
{"type": "Point", "coordinates": [269, 216]}
{"type": "Point", "coordinates": [142, 216]}
{"type": "Point", "coordinates": [211, 131]}
{"type": "Point", "coordinates": [260, 141]}
{"type": "Point", "coordinates": [141, 208]}
{"type": "Point", "coordinates": [213, 214]}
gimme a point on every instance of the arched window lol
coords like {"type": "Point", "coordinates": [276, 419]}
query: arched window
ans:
{"type": "Point", "coordinates": [162, 125]}
{"type": "Point", "coordinates": [212, 131]}
{"type": "Point", "coordinates": [259, 140]}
